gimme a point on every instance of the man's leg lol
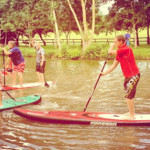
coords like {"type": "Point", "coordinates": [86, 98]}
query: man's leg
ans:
{"type": "Point", "coordinates": [14, 78]}
{"type": "Point", "coordinates": [42, 78]}
{"type": "Point", "coordinates": [39, 77]}
{"type": "Point", "coordinates": [42, 68]}
{"type": "Point", "coordinates": [130, 103]}
{"type": "Point", "coordinates": [20, 74]}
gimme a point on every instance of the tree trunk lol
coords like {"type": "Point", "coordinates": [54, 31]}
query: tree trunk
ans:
{"type": "Point", "coordinates": [67, 37]}
{"type": "Point", "coordinates": [42, 39]}
{"type": "Point", "coordinates": [86, 34]}
{"type": "Point", "coordinates": [148, 22]}
{"type": "Point", "coordinates": [56, 29]}
{"type": "Point", "coordinates": [137, 37]}
{"type": "Point", "coordinates": [17, 40]}
{"type": "Point", "coordinates": [6, 41]}
{"type": "Point", "coordinates": [134, 35]}
{"type": "Point", "coordinates": [148, 38]}
{"type": "Point", "coordinates": [30, 33]}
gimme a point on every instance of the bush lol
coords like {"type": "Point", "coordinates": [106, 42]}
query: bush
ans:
{"type": "Point", "coordinates": [64, 51]}
{"type": "Point", "coordinates": [70, 52]}
{"type": "Point", "coordinates": [92, 52]}
{"type": "Point", "coordinates": [75, 53]}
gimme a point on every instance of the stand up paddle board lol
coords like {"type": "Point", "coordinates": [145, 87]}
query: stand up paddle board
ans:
{"type": "Point", "coordinates": [87, 118]}
{"type": "Point", "coordinates": [27, 85]}
{"type": "Point", "coordinates": [9, 103]}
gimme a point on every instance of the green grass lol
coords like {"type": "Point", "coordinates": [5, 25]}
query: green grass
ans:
{"type": "Point", "coordinates": [95, 51]}
{"type": "Point", "coordinates": [142, 52]}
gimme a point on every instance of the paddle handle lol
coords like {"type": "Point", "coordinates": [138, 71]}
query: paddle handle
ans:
{"type": "Point", "coordinates": [96, 83]}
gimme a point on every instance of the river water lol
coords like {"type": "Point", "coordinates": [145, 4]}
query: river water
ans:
{"type": "Point", "coordinates": [75, 80]}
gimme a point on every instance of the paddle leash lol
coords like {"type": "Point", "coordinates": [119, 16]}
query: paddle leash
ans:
{"type": "Point", "coordinates": [96, 83]}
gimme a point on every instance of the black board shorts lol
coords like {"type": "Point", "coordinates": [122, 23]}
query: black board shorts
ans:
{"type": "Point", "coordinates": [40, 68]}
{"type": "Point", "coordinates": [130, 85]}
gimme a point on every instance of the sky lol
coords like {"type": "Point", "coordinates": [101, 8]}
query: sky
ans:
{"type": "Point", "coordinates": [104, 8]}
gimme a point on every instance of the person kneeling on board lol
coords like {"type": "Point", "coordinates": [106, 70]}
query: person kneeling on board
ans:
{"type": "Point", "coordinates": [125, 57]}
{"type": "Point", "coordinates": [18, 61]}
{"type": "Point", "coordinates": [40, 61]}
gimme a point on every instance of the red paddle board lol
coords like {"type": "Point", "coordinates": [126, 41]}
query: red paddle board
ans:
{"type": "Point", "coordinates": [88, 118]}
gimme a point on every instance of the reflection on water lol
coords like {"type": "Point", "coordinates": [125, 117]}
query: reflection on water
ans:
{"type": "Point", "coordinates": [74, 83]}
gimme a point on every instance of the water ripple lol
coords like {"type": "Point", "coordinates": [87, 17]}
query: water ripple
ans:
{"type": "Point", "coordinates": [75, 82]}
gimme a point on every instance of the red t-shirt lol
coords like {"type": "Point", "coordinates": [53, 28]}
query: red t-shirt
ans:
{"type": "Point", "coordinates": [127, 61]}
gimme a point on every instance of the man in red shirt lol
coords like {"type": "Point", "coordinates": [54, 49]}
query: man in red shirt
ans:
{"type": "Point", "coordinates": [125, 57]}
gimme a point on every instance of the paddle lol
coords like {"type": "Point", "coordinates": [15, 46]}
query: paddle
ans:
{"type": "Point", "coordinates": [96, 83]}
{"type": "Point", "coordinates": [10, 96]}
{"type": "Point", "coordinates": [46, 84]}
{"type": "Point", "coordinates": [4, 78]}
{"type": "Point", "coordinates": [4, 67]}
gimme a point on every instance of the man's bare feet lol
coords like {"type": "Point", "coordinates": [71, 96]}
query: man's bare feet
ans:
{"type": "Point", "coordinates": [128, 116]}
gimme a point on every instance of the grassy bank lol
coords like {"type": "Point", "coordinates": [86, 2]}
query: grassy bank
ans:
{"type": "Point", "coordinates": [96, 51]}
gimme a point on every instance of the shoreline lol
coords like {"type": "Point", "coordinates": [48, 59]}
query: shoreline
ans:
{"type": "Point", "coordinates": [93, 52]}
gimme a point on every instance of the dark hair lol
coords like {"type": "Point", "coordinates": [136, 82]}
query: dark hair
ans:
{"type": "Point", "coordinates": [121, 38]}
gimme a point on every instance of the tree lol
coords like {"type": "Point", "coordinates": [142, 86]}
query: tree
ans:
{"type": "Point", "coordinates": [127, 15]}
{"type": "Point", "coordinates": [85, 32]}
{"type": "Point", "coordinates": [64, 19]}
{"type": "Point", "coordinates": [8, 29]}
{"type": "Point", "coordinates": [18, 18]}
{"type": "Point", "coordinates": [147, 21]}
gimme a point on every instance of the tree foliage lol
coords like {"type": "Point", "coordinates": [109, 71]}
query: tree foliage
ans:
{"type": "Point", "coordinates": [28, 18]}
{"type": "Point", "coordinates": [128, 15]}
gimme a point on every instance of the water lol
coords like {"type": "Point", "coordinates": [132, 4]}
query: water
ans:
{"type": "Point", "coordinates": [75, 81]}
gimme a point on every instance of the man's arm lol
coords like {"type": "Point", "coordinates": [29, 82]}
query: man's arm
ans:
{"type": "Point", "coordinates": [7, 62]}
{"type": "Point", "coordinates": [111, 68]}
{"type": "Point", "coordinates": [6, 52]}
{"type": "Point", "coordinates": [111, 49]}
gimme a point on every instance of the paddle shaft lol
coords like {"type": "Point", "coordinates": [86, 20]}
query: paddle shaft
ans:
{"type": "Point", "coordinates": [4, 78]}
{"type": "Point", "coordinates": [46, 84]}
{"type": "Point", "coordinates": [4, 67]}
{"type": "Point", "coordinates": [96, 84]}
{"type": "Point", "coordinates": [10, 96]}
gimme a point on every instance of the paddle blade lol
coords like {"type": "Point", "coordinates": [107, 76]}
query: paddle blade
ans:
{"type": "Point", "coordinates": [46, 85]}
